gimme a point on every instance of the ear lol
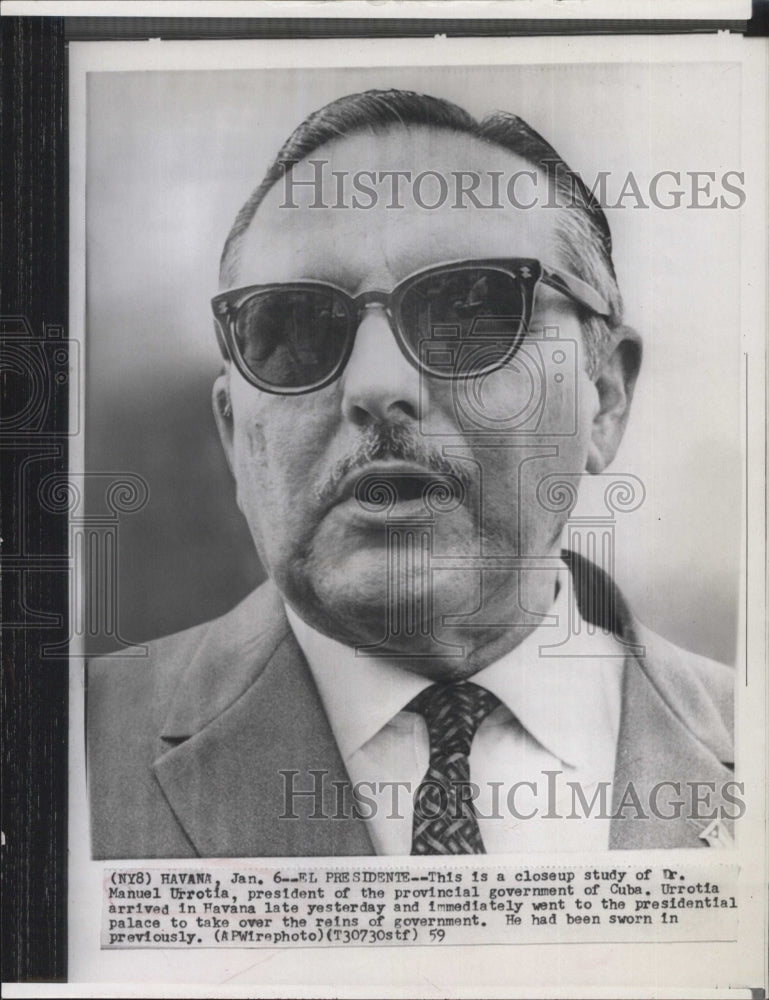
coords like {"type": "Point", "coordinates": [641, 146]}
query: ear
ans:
{"type": "Point", "coordinates": [614, 382]}
{"type": "Point", "coordinates": [223, 414]}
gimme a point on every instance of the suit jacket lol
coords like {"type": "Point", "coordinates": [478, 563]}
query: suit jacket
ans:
{"type": "Point", "coordinates": [191, 749]}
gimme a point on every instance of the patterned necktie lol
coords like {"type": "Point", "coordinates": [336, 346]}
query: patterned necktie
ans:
{"type": "Point", "coordinates": [445, 821]}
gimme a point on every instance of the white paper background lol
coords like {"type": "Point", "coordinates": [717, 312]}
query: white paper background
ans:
{"type": "Point", "coordinates": [683, 274]}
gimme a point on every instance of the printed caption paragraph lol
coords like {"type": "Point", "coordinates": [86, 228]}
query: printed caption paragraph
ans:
{"type": "Point", "coordinates": [239, 906]}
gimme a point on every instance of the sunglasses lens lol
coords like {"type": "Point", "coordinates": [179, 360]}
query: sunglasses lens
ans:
{"type": "Point", "coordinates": [463, 321]}
{"type": "Point", "coordinates": [293, 338]}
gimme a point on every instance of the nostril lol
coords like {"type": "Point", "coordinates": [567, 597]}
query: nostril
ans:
{"type": "Point", "coordinates": [403, 406]}
{"type": "Point", "coordinates": [358, 415]}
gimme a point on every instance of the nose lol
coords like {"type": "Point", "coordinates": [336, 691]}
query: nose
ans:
{"type": "Point", "coordinates": [380, 384]}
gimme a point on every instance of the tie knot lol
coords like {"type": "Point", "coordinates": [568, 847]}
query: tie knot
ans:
{"type": "Point", "coordinates": [453, 713]}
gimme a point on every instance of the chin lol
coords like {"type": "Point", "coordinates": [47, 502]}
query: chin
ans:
{"type": "Point", "coordinates": [349, 600]}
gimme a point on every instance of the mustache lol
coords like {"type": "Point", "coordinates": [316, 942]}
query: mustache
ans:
{"type": "Point", "coordinates": [390, 441]}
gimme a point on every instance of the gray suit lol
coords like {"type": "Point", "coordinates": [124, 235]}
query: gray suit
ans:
{"type": "Point", "coordinates": [186, 746]}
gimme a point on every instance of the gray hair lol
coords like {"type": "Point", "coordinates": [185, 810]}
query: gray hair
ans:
{"type": "Point", "coordinates": [584, 234]}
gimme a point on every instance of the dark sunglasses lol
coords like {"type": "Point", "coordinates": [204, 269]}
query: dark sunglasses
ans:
{"type": "Point", "coordinates": [451, 321]}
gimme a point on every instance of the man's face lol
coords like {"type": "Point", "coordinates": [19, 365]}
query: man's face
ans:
{"type": "Point", "coordinates": [297, 460]}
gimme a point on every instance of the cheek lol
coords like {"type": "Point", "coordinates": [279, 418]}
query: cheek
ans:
{"type": "Point", "coordinates": [498, 403]}
{"type": "Point", "coordinates": [250, 455]}
{"type": "Point", "coordinates": [566, 420]}
{"type": "Point", "coordinates": [548, 425]}
{"type": "Point", "coordinates": [528, 396]}
{"type": "Point", "coordinates": [268, 457]}
{"type": "Point", "coordinates": [277, 444]}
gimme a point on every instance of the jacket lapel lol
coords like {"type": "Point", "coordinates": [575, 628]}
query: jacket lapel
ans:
{"type": "Point", "coordinates": [245, 736]}
{"type": "Point", "coordinates": [658, 760]}
{"type": "Point", "coordinates": [669, 739]}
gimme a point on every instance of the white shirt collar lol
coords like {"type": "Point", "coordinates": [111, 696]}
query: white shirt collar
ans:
{"type": "Point", "coordinates": [360, 693]}
{"type": "Point", "coordinates": [570, 705]}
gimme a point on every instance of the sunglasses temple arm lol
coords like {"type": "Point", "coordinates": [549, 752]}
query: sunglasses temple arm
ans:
{"type": "Point", "coordinates": [577, 289]}
{"type": "Point", "coordinates": [221, 340]}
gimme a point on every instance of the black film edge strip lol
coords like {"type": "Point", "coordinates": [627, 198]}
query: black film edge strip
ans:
{"type": "Point", "coordinates": [33, 442]}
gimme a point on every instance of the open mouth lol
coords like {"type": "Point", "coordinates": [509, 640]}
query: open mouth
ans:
{"type": "Point", "coordinates": [411, 486]}
{"type": "Point", "coordinates": [435, 492]}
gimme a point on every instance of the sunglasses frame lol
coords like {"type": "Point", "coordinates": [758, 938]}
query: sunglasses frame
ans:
{"type": "Point", "coordinates": [226, 307]}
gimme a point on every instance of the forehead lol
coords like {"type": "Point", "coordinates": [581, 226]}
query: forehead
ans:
{"type": "Point", "coordinates": [361, 238]}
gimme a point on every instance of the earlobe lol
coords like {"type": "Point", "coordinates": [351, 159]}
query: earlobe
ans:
{"type": "Point", "coordinates": [615, 383]}
{"type": "Point", "coordinates": [222, 405]}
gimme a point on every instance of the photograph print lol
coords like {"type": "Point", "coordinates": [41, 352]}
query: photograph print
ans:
{"type": "Point", "coordinates": [427, 380]}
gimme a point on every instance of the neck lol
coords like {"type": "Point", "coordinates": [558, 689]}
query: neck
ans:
{"type": "Point", "coordinates": [459, 642]}
{"type": "Point", "coordinates": [506, 617]}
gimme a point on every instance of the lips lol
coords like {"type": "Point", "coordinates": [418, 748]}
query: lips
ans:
{"type": "Point", "coordinates": [379, 487]}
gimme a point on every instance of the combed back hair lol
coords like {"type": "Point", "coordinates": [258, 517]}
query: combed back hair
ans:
{"type": "Point", "coordinates": [584, 236]}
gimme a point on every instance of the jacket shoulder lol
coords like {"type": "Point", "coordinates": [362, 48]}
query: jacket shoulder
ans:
{"type": "Point", "coordinates": [121, 681]}
{"type": "Point", "coordinates": [129, 696]}
{"type": "Point", "coordinates": [129, 678]}
{"type": "Point", "coordinates": [700, 691]}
